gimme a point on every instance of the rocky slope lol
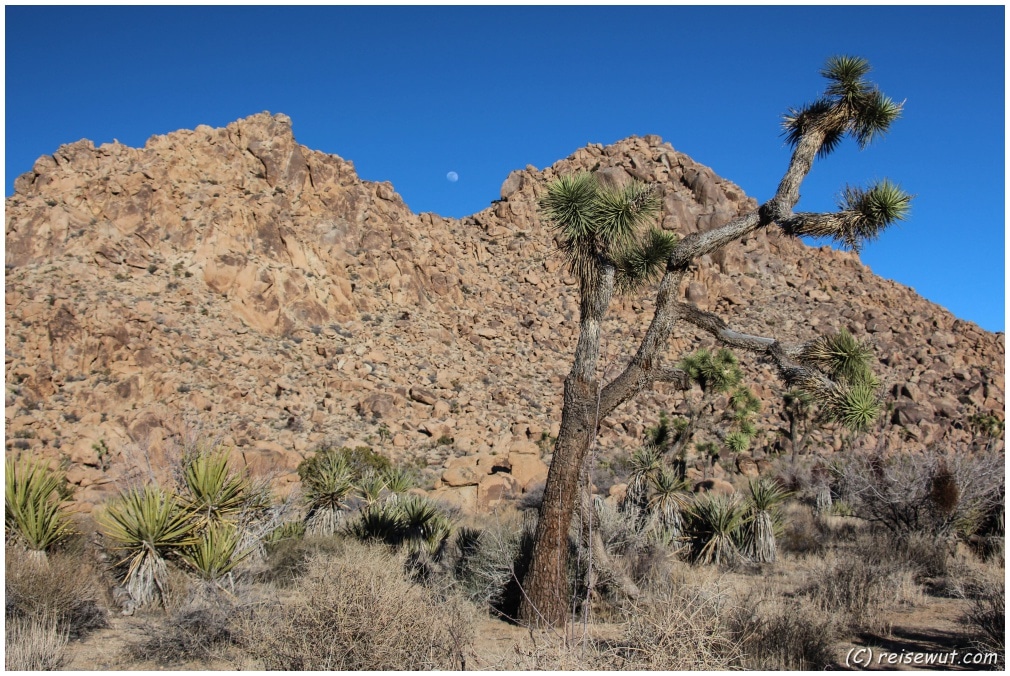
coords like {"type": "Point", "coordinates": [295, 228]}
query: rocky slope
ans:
{"type": "Point", "coordinates": [229, 286]}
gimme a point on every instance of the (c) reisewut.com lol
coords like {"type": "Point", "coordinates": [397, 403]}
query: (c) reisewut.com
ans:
{"type": "Point", "coordinates": [868, 657]}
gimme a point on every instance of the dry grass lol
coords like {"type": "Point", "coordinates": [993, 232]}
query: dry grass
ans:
{"type": "Point", "coordinates": [676, 626]}
{"type": "Point", "coordinates": [35, 644]}
{"type": "Point", "coordinates": [680, 628]}
{"type": "Point", "coordinates": [851, 586]}
{"type": "Point", "coordinates": [62, 588]}
{"type": "Point", "coordinates": [987, 617]}
{"type": "Point", "coordinates": [355, 610]}
{"type": "Point", "coordinates": [777, 633]}
{"type": "Point", "coordinates": [200, 631]}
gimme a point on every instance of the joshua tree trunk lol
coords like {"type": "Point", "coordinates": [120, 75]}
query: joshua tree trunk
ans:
{"type": "Point", "coordinates": [546, 592]}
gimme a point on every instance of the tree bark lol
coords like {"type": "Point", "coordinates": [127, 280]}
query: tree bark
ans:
{"type": "Point", "coordinates": [546, 594]}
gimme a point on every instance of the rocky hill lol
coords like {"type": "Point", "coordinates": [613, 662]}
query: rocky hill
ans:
{"type": "Point", "coordinates": [229, 286]}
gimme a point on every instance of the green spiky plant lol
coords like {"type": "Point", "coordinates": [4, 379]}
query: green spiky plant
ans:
{"type": "Point", "coordinates": [764, 519]}
{"type": "Point", "coordinates": [713, 526]}
{"type": "Point", "coordinates": [668, 501]}
{"type": "Point", "coordinates": [424, 525]}
{"type": "Point", "coordinates": [327, 483]}
{"type": "Point", "coordinates": [213, 492]}
{"type": "Point", "coordinates": [216, 552]}
{"type": "Point", "coordinates": [371, 487]}
{"type": "Point", "coordinates": [645, 464]}
{"type": "Point", "coordinates": [289, 530]}
{"type": "Point", "coordinates": [398, 480]}
{"type": "Point", "coordinates": [598, 222]}
{"type": "Point", "coordinates": [34, 512]}
{"type": "Point", "coordinates": [376, 522]}
{"type": "Point", "coordinates": [853, 398]}
{"type": "Point", "coordinates": [147, 525]}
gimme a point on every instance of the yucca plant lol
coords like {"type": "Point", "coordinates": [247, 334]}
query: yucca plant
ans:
{"type": "Point", "coordinates": [33, 511]}
{"type": "Point", "coordinates": [371, 487]}
{"type": "Point", "coordinates": [327, 481]}
{"type": "Point", "coordinates": [668, 501]}
{"type": "Point", "coordinates": [423, 525]}
{"type": "Point", "coordinates": [718, 372]}
{"type": "Point", "coordinates": [397, 480]}
{"type": "Point", "coordinates": [147, 525]}
{"type": "Point", "coordinates": [645, 465]}
{"type": "Point", "coordinates": [377, 522]}
{"type": "Point", "coordinates": [216, 553]}
{"type": "Point", "coordinates": [714, 523]}
{"type": "Point", "coordinates": [601, 225]}
{"type": "Point", "coordinates": [737, 441]}
{"type": "Point", "coordinates": [213, 492]}
{"type": "Point", "coordinates": [764, 520]}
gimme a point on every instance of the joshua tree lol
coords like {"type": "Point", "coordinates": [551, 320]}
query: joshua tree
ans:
{"type": "Point", "coordinates": [599, 230]}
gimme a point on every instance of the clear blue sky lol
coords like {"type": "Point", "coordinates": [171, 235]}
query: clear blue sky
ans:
{"type": "Point", "coordinates": [410, 94]}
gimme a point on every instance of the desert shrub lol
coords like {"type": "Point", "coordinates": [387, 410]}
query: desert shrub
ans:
{"type": "Point", "coordinates": [678, 627]}
{"type": "Point", "coordinates": [62, 589]}
{"type": "Point", "coordinates": [289, 530]}
{"type": "Point", "coordinates": [287, 559]}
{"type": "Point", "coordinates": [623, 531]}
{"type": "Point", "coordinates": [803, 533]}
{"type": "Point", "coordinates": [34, 644]}
{"type": "Point", "coordinates": [986, 617]}
{"type": "Point", "coordinates": [491, 561]}
{"type": "Point", "coordinates": [776, 633]}
{"type": "Point", "coordinates": [859, 588]}
{"type": "Point", "coordinates": [34, 511]}
{"type": "Point", "coordinates": [199, 631]}
{"type": "Point", "coordinates": [356, 610]}
{"type": "Point", "coordinates": [936, 492]}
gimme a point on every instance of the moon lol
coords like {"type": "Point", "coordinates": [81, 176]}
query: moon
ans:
{"type": "Point", "coordinates": [452, 177]}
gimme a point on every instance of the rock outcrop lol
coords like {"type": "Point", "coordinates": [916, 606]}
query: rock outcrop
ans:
{"type": "Point", "coordinates": [229, 286]}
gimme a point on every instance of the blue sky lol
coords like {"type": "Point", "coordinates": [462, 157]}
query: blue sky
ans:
{"type": "Point", "coordinates": [410, 94]}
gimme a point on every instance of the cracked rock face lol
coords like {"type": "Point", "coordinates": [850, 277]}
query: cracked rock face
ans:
{"type": "Point", "coordinates": [229, 286]}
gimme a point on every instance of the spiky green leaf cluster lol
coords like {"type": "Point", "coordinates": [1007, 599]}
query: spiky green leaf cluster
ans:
{"type": "Point", "coordinates": [146, 525]}
{"type": "Point", "coordinates": [850, 106]}
{"type": "Point", "coordinates": [713, 525]}
{"type": "Point", "coordinates": [854, 397]}
{"type": "Point", "coordinates": [216, 553]}
{"type": "Point", "coordinates": [644, 262]}
{"type": "Point", "coordinates": [33, 508]}
{"type": "Point", "coordinates": [841, 356]}
{"type": "Point", "coordinates": [856, 406]}
{"type": "Point", "coordinates": [717, 372]}
{"type": "Point", "coordinates": [765, 495]}
{"type": "Point", "coordinates": [737, 441]}
{"type": "Point", "coordinates": [669, 498]}
{"type": "Point", "coordinates": [600, 224]}
{"type": "Point", "coordinates": [327, 480]}
{"type": "Point", "coordinates": [213, 491]}
{"type": "Point", "coordinates": [415, 522]}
